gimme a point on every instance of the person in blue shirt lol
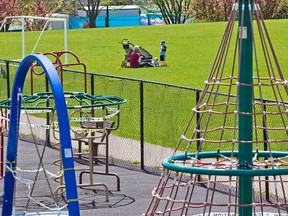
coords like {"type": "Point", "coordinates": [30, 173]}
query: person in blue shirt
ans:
{"type": "Point", "coordinates": [163, 53]}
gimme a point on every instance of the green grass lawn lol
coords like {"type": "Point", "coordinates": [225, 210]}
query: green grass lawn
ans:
{"type": "Point", "coordinates": [191, 51]}
{"type": "Point", "coordinates": [191, 48]}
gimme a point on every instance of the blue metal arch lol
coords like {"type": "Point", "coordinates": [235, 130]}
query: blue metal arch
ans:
{"type": "Point", "coordinates": [64, 128]}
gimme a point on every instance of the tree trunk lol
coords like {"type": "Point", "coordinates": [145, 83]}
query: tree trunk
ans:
{"type": "Point", "coordinates": [92, 23]}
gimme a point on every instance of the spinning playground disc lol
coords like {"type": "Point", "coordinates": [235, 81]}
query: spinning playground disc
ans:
{"type": "Point", "coordinates": [44, 101]}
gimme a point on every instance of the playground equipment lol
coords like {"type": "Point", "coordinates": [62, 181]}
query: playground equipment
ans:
{"type": "Point", "coordinates": [241, 149]}
{"type": "Point", "coordinates": [94, 117]}
{"type": "Point", "coordinates": [57, 60]}
{"type": "Point", "coordinates": [88, 116]}
{"type": "Point", "coordinates": [66, 147]}
{"type": "Point", "coordinates": [3, 127]}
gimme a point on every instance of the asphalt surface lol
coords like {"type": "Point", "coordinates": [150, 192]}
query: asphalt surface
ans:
{"type": "Point", "coordinates": [132, 199]}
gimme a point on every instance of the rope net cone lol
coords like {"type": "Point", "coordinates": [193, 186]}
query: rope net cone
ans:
{"type": "Point", "coordinates": [203, 176]}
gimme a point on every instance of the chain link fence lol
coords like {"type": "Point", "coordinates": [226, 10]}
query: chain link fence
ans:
{"type": "Point", "coordinates": [151, 122]}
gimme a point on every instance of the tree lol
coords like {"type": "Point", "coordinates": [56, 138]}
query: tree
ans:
{"type": "Point", "coordinates": [212, 10]}
{"type": "Point", "coordinates": [9, 8]}
{"type": "Point", "coordinates": [282, 13]}
{"type": "Point", "coordinates": [270, 8]}
{"type": "Point", "coordinates": [116, 2]}
{"type": "Point", "coordinates": [92, 10]}
{"type": "Point", "coordinates": [43, 8]}
{"type": "Point", "coordinates": [219, 10]}
{"type": "Point", "coordinates": [174, 11]}
{"type": "Point", "coordinates": [147, 5]}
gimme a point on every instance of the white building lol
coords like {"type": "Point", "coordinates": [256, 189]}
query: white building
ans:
{"type": "Point", "coordinates": [124, 10]}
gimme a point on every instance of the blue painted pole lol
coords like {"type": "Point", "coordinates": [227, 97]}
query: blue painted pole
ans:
{"type": "Point", "coordinates": [64, 128]}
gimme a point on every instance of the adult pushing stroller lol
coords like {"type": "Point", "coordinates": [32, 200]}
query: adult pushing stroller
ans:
{"type": "Point", "coordinates": [128, 47]}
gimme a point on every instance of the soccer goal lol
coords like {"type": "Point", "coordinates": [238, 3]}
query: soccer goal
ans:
{"type": "Point", "coordinates": [48, 20]}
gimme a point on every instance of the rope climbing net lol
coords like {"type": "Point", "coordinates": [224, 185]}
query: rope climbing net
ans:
{"type": "Point", "coordinates": [206, 174]}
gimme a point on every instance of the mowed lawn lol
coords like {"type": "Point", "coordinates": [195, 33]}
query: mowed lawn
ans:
{"type": "Point", "coordinates": [191, 49]}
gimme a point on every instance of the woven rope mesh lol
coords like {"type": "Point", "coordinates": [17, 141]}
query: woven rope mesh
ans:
{"type": "Point", "coordinates": [206, 173]}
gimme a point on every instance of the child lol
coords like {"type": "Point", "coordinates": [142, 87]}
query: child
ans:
{"type": "Point", "coordinates": [163, 53]}
{"type": "Point", "coordinates": [155, 62]}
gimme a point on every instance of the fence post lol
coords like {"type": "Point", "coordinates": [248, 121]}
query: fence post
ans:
{"type": "Point", "coordinates": [197, 119]}
{"type": "Point", "coordinates": [142, 123]}
{"type": "Point", "coordinates": [1, 153]}
{"type": "Point", "coordinates": [48, 132]}
{"type": "Point", "coordinates": [92, 84]}
{"type": "Point", "coordinates": [8, 79]}
{"type": "Point", "coordinates": [198, 125]}
{"type": "Point", "coordinates": [92, 90]}
{"type": "Point", "coordinates": [265, 149]}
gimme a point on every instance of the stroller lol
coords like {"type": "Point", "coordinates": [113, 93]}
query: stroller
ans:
{"type": "Point", "coordinates": [128, 47]}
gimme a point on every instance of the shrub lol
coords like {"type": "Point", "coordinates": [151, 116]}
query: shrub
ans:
{"type": "Point", "coordinates": [282, 13]}
{"type": "Point", "coordinates": [219, 10]}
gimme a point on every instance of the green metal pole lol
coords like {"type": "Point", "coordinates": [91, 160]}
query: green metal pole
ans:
{"type": "Point", "coordinates": [245, 94]}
